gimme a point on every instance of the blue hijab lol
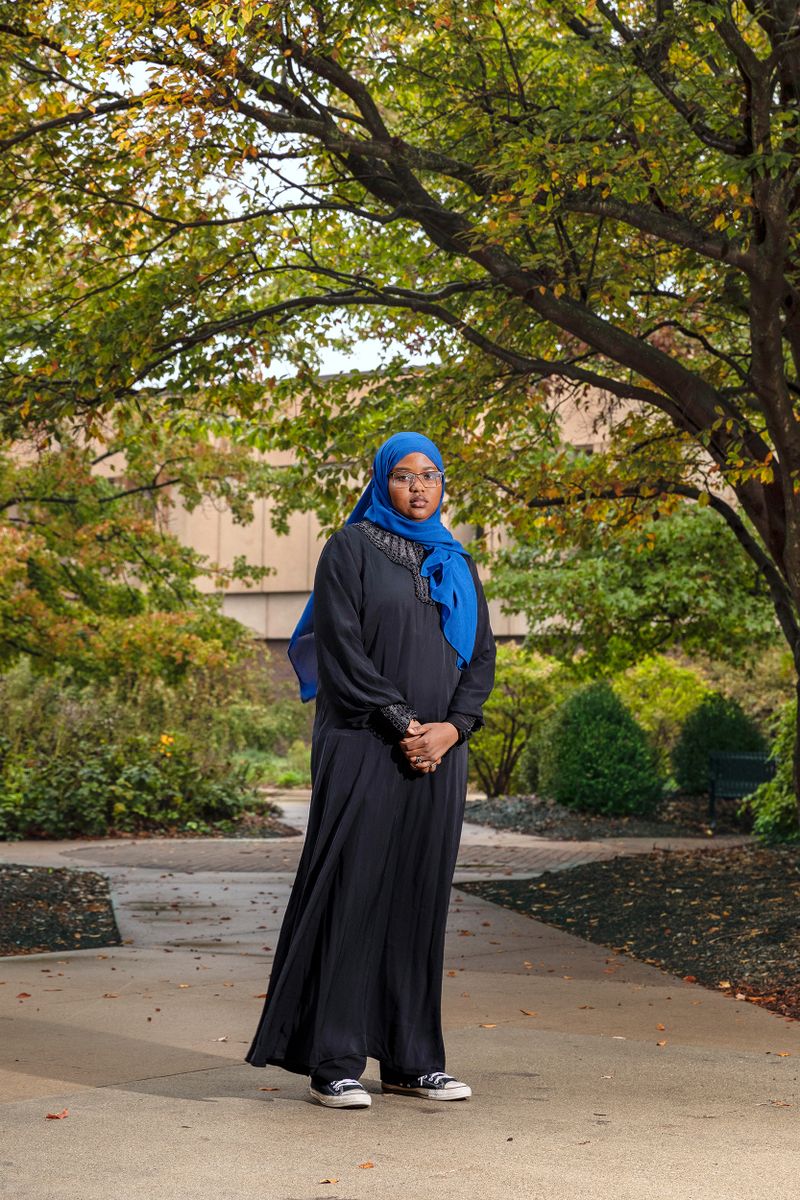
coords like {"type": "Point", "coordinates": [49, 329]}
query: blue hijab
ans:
{"type": "Point", "coordinates": [445, 565]}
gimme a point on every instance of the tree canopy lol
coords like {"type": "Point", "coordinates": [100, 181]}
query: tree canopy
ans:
{"type": "Point", "coordinates": [567, 195]}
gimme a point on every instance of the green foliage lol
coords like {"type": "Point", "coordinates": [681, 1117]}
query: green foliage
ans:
{"type": "Point", "coordinates": [88, 758]}
{"type": "Point", "coordinates": [618, 595]}
{"type": "Point", "coordinates": [660, 694]}
{"type": "Point", "coordinates": [516, 194]}
{"type": "Point", "coordinates": [91, 577]}
{"type": "Point", "coordinates": [717, 723]}
{"type": "Point", "coordinates": [597, 759]}
{"type": "Point", "coordinates": [526, 688]}
{"type": "Point", "coordinates": [773, 805]}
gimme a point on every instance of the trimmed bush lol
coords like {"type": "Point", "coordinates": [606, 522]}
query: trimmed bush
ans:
{"type": "Point", "coordinates": [597, 758]}
{"type": "Point", "coordinates": [718, 723]}
{"type": "Point", "coordinates": [660, 695]}
{"type": "Point", "coordinates": [773, 805]}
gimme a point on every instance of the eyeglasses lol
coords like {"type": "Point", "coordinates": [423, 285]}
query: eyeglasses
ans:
{"type": "Point", "coordinates": [428, 479]}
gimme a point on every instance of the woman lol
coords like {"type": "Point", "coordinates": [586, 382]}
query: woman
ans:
{"type": "Point", "coordinates": [396, 645]}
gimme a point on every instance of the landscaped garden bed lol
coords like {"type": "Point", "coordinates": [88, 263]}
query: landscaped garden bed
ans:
{"type": "Point", "coordinates": [729, 920]}
{"type": "Point", "coordinates": [54, 908]}
{"type": "Point", "coordinates": [680, 816]}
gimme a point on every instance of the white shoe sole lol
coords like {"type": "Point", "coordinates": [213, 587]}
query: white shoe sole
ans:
{"type": "Point", "coordinates": [354, 1100]}
{"type": "Point", "coordinates": [462, 1092]}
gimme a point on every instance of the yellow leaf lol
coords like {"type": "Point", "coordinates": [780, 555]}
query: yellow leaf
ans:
{"type": "Point", "coordinates": [366, 1165]}
{"type": "Point", "coordinates": [559, 290]}
{"type": "Point", "coordinates": [581, 179]}
{"type": "Point", "coordinates": [488, 1026]}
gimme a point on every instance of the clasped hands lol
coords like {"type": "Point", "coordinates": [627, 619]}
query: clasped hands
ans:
{"type": "Point", "coordinates": [425, 745]}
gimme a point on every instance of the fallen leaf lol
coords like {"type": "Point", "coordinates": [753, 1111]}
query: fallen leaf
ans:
{"type": "Point", "coordinates": [259, 995]}
{"type": "Point", "coordinates": [690, 979]}
{"type": "Point", "coordinates": [110, 995]}
{"type": "Point", "coordinates": [489, 1026]}
{"type": "Point", "coordinates": [23, 995]}
{"type": "Point", "coordinates": [58, 1116]}
{"type": "Point", "coordinates": [365, 1165]}
{"type": "Point", "coordinates": [184, 985]}
{"type": "Point", "coordinates": [783, 1054]}
{"type": "Point", "coordinates": [661, 1043]}
{"type": "Point", "coordinates": [329, 1180]}
{"type": "Point", "coordinates": [661, 1027]}
{"type": "Point", "coordinates": [270, 1089]}
{"type": "Point", "coordinates": [528, 1012]}
{"type": "Point", "coordinates": [724, 983]}
{"type": "Point", "coordinates": [451, 973]}
{"type": "Point", "coordinates": [221, 1039]}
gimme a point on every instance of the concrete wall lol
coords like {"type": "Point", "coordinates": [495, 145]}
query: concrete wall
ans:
{"type": "Point", "coordinates": [271, 608]}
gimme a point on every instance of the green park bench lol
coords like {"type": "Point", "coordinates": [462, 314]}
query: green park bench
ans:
{"type": "Point", "coordinates": [732, 775]}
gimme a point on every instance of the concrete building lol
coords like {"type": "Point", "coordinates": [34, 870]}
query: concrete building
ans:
{"type": "Point", "coordinates": [271, 607]}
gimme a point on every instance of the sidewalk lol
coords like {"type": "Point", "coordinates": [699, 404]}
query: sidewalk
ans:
{"type": "Point", "coordinates": [573, 1097]}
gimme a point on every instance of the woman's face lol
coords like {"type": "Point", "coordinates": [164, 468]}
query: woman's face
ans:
{"type": "Point", "coordinates": [415, 501]}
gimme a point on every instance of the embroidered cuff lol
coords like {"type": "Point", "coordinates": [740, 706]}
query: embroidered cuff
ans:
{"type": "Point", "coordinates": [398, 716]}
{"type": "Point", "coordinates": [465, 725]}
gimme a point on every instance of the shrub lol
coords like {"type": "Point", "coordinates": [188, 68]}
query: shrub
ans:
{"type": "Point", "coordinates": [525, 690]}
{"type": "Point", "coordinates": [596, 758]}
{"type": "Point", "coordinates": [660, 694]}
{"type": "Point", "coordinates": [717, 723]}
{"type": "Point", "coordinates": [89, 758]}
{"type": "Point", "coordinates": [773, 805]}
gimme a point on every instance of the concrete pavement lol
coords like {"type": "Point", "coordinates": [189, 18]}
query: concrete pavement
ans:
{"type": "Point", "coordinates": [142, 1044]}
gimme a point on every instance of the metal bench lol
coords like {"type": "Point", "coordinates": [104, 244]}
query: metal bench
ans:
{"type": "Point", "coordinates": [732, 775]}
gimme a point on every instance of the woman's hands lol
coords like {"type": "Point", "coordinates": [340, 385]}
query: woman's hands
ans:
{"type": "Point", "coordinates": [426, 745]}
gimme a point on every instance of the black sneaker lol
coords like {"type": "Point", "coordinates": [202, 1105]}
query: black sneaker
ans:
{"type": "Point", "coordinates": [340, 1093]}
{"type": "Point", "coordinates": [436, 1086]}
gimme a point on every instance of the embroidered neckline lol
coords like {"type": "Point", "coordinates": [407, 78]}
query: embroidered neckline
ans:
{"type": "Point", "coordinates": [403, 551]}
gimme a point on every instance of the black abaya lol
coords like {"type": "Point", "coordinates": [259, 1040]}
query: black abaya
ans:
{"type": "Point", "coordinates": [358, 964]}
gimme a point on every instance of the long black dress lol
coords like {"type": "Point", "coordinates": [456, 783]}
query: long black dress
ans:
{"type": "Point", "coordinates": [358, 964]}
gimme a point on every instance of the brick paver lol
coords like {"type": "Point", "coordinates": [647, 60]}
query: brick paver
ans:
{"type": "Point", "coordinates": [197, 855]}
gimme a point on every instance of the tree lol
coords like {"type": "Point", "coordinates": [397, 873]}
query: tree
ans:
{"type": "Point", "coordinates": [598, 194]}
{"type": "Point", "coordinates": [675, 581]}
{"type": "Point", "coordinates": [91, 576]}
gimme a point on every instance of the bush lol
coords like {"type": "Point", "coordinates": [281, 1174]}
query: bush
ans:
{"type": "Point", "coordinates": [717, 723]}
{"type": "Point", "coordinates": [596, 758]}
{"type": "Point", "coordinates": [85, 758]}
{"type": "Point", "coordinates": [526, 688]}
{"type": "Point", "coordinates": [773, 805]}
{"type": "Point", "coordinates": [660, 694]}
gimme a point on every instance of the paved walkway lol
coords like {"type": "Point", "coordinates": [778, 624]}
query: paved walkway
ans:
{"type": "Point", "coordinates": [593, 1075]}
{"type": "Point", "coordinates": [485, 853]}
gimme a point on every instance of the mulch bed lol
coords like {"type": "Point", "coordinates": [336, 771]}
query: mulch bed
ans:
{"type": "Point", "coordinates": [679, 816]}
{"type": "Point", "coordinates": [727, 919]}
{"type": "Point", "coordinates": [54, 908]}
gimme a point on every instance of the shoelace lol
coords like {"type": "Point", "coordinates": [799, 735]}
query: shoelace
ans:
{"type": "Point", "coordinates": [436, 1077]}
{"type": "Point", "coordinates": [338, 1084]}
